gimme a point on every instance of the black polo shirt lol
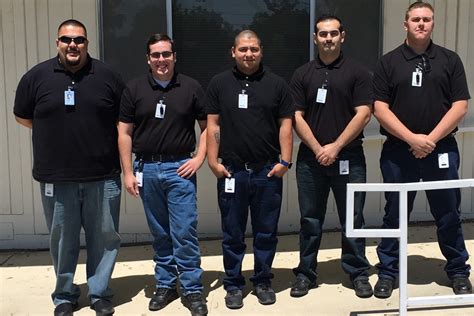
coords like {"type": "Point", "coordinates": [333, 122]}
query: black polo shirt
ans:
{"type": "Point", "coordinates": [348, 85]}
{"type": "Point", "coordinates": [173, 134]}
{"type": "Point", "coordinates": [252, 134]}
{"type": "Point", "coordinates": [420, 109]}
{"type": "Point", "coordinates": [78, 143]}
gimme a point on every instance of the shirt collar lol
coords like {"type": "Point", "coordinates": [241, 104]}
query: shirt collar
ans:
{"type": "Point", "coordinates": [335, 64]}
{"type": "Point", "coordinates": [410, 54]}
{"type": "Point", "coordinates": [155, 85]}
{"type": "Point", "coordinates": [87, 69]}
{"type": "Point", "coordinates": [256, 75]}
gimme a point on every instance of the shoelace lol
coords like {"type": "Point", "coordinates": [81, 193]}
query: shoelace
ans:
{"type": "Point", "coordinates": [161, 291]}
{"type": "Point", "coordinates": [194, 297]}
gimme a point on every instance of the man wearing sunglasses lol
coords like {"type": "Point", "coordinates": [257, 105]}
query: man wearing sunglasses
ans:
{"type": "Point", "coordinates": [158, 113]}
{"type": "Point", "coordinates": [333, 97]}
{"type": "Point", "coordinates": [421, 95]}
{"type": "Point", "coordinates": [71, 103]}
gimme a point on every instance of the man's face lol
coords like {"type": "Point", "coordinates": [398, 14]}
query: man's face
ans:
{"type": "Point", "coordinates": [72, 46]}
{"type": "Point", "coordinates": [419, 24]}
{"type": "Point", "coordinates": [161, 60]}
{"type": "Point", "coordinates": [329, 38]}
{"type": "Point", "coordinates": [247, 54]}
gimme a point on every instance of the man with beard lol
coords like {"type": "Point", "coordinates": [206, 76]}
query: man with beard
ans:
{"type": "Point", "coordinates": [71, 103]}
{"type": "Point", "coordinates": [333, 97]}
{"type": "Point", "coordinates": [421, 95]}
{"type": "Point", "coordinates": [249, 126]}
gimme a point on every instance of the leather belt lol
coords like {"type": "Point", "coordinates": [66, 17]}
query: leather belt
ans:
{"type": "Point", "coordinates": [161, 157]}
{"type": "Point", "coordinates": [249, 166]}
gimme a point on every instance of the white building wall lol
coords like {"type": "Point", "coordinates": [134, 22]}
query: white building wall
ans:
{"type": "Point", "coordinates": [27, 32]}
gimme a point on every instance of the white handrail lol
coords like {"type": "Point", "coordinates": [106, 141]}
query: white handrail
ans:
{"type": "Point", "coordinates": [402, 234]}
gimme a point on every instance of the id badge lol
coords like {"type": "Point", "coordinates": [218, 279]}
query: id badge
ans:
{"type": "Point", "coordinates": [243, 101]}
{"type": "Point", "coordinates": [160, 110]}
{"type": "Point", "coordinates": [416, 78]}
{"type": "Point", "coordinates": [139, 177]}
{"type": "Point", "coordinates": [49, 189]}
{"type": "Point", "coordinates": [321, 97]}
{"type": "Point", "coordinates": [229, 185]}
{"type": "Point", "coordinates": [443, 161]}
{"type": "Point", "coordinates": [69, 98]}
{"type": "Point", "coordinates": [343, 167]}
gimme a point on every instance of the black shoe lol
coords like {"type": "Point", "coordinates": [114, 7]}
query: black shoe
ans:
{"type": "Point", "coordinates": [103, 307]}
{"type": "Point", "coordinates": [65, 309]}
{"type": "Point", "coordinates": [362, 288]}
{"type": "Point", "coordinates": [234, 299]}
{"type": "Point", "coordinates": [301, 287]}
{"type": "Point", "coordinates": [265, 294]}
{"type": "Point", "coordinates": [161, 298]}
{"type": "Point", "coordinates": [195, 303]}
{"type": "Point", "coordinates": [462, 285]}
{"type": "Point", "coordinates": [383, 288]}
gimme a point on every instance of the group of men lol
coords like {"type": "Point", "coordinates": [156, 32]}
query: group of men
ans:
{"type": "Point", "coordinates": [72, 103]}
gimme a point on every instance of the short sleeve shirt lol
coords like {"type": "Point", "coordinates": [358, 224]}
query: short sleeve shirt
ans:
{"type": "Point", "coordinates": [173, 133]}
{"type": "Point", "coordinates": [75, 143]}
{"type": "Point", "coordinates": [442, 82]}
{"type": "Point", "coordinates": [347, 84]}
{"type": "Point", "coordinates": [249, 134]}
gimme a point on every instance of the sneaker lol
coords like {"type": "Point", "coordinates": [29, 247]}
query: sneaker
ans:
{"type": "Point", "coordinates": [301, 287]}
{"type": "Point", "coordinates": [65, 309]}
{"type": "Point", "coordinates": [265, 294]}
{"type": "Point", "coordinates": [162, 298]}
{"type": "Point", "coordinates": [195, 303]}
{"type": "Point", "coordinates": [383, 288]}
{"type": "Point", "coordinates": [103, 307]}
{"type": "Point", "coordinates": [462, 285]}
{"type": "Point", "coordinates": [362, 288]}
{"type": "Point", "coordinates": [234, 299]}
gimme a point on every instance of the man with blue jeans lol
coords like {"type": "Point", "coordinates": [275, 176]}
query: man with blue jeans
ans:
{"type": "Point", "coordinates": [333, 97]}
{"type": "Point", "coordinates": [249, 124]}
{"type": "Point", "coordinates": [421, 95]}
{"type": "Point", "coordinates": [157, 117]}
{"type": "Point", "coordinates": [71, 102]}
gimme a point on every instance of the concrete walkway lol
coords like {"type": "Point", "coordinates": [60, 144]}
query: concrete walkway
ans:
{"type": "Point", "coordinates": [27, 279]}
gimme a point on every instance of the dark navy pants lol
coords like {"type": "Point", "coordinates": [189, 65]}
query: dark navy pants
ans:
{"type": "Point", "coordinates": [314, 182]}
{"type": "Point", "coordinates": [254, 190]}
{"type": "Point", "coordinates": [398, 165]}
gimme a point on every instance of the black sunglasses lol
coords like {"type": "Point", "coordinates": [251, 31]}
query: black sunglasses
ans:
{"type": "Point", "coordinates": [157, 55]}
{"type": "Point", "coordinates": [77, 40]}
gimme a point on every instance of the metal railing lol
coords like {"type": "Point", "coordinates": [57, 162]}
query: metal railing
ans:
{"type": "Point", "coordinates": [402, 234]}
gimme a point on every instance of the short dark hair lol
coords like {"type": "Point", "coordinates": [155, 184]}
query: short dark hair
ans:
{"type": "Point", "coordinates": [158, 37]}
{"type": "Point", "coordinates": [247, 34]}
{"type": "Point", "coordinates": [417, 5]}
{"type": "Point", "coordinates": [325, 17]}
{"type": "Point", "coordinates": [73, 22]}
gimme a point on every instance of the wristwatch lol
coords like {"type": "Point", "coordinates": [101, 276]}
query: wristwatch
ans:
{"type": "Point", "coordinates": [286, 163]}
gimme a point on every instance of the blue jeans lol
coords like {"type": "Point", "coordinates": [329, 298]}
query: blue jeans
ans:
{"type": "Point", "coordinates": [171, 212]}
{"type": "Point", "coordinates": [263, 195]}
{"type": "Point", "coordinates": [94, 206]}
{"type": "Point", "coordinates": [314, 182]}
{"type": "Point", "coordinates": [398, 165]}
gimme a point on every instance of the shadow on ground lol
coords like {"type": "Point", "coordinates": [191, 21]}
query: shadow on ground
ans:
{"type": "Point", "coordinates": [424, 271]}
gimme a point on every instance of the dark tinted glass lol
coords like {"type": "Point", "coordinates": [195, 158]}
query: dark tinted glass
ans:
{"type": "Point", "coordinates": [126, 27]}
{"type": "Point", "coordinates": [362, 22]}
{"type": "Point", "coordinates": [204, 33]}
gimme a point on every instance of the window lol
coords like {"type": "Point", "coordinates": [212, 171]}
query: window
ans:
{"type": "Point", "coordinates": [204, 31]}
